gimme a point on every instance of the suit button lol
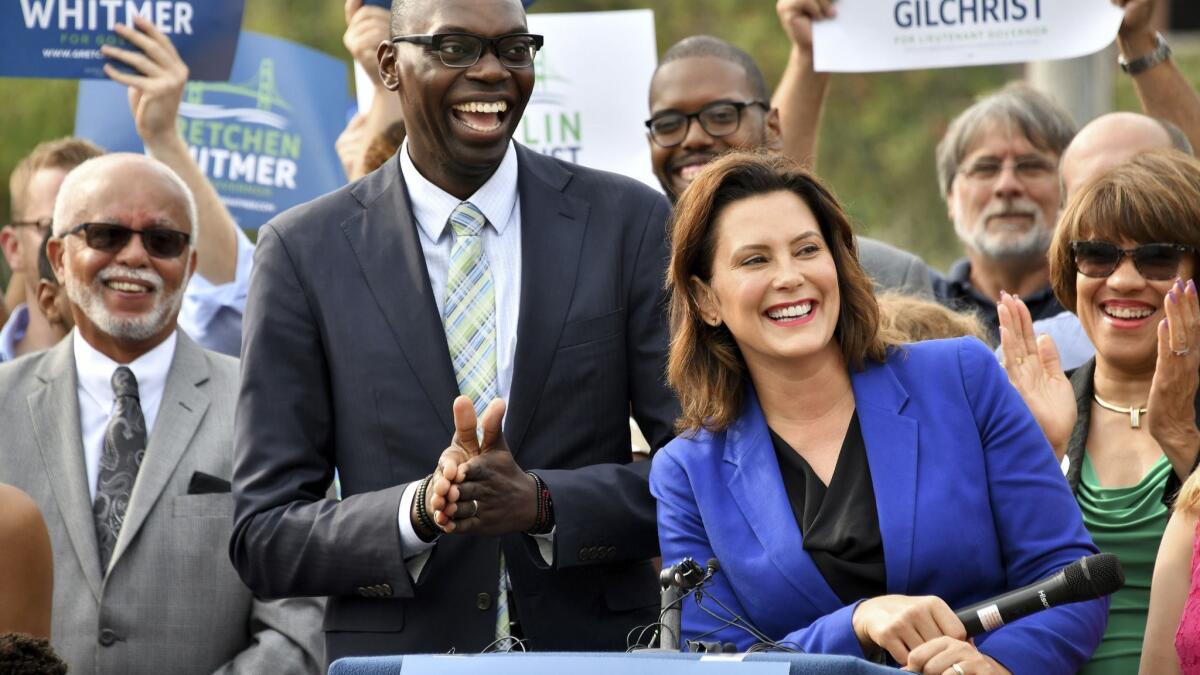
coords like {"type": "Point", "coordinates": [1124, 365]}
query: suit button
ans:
{"type": "Point", "coordinates": [483, 601]}
{"type": "Point", "coordinates": [364, 591]}
{"type": "Point", "coordinates": [108, 637]}
{"type": "Point", "coordinates": [610, 552]}
{"type": "Point", "coordinates": [385, 590]}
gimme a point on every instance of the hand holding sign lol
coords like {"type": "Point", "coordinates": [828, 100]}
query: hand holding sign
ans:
{"type": "Point", "coordinates": [797, 18]}
{"type": "Point", "coordinates": [156, 88]}
{"type": "Point", "coordinates": [367, 26]}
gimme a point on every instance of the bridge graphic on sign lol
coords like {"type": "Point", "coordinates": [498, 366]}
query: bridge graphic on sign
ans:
{"type": "Point", "coordinates": [260, 88]}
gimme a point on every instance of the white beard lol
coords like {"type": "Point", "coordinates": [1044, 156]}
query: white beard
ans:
{"type": "Point", "coordinates": [1032, 243]}
{"type": "Point", "coordinates": [90, 300]}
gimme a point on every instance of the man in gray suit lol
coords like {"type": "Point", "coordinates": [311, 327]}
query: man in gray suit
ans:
{"type": "Point", "coordinates": [708, 97]}
{"type": "Point", "coordinates": [123, 435]}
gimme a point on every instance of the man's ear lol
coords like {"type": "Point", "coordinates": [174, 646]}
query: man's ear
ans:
{"type": "Point", "coordinates": [10, 245]}
{"type": "Point", "coordinates": [950, 209]}
{"type": "Point", "coordinates": [46, 293]}
{"type": "Point", "coordinates": [775, 134]}
{"type": "Point", "coordinates": [54, 253]}
{"type": "Point", "coordinates": [389, 70]}
{"type": "Point", "coordinates": [706, 301]}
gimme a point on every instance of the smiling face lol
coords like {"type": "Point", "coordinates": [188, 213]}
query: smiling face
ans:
{"type": "Point", "coordinates": [1004, 201]}
{"type": "Point", "coordinates": [459, 120]}
{"type": "Point", "coordinates": [1121, 312]}
{"type": "Point", "coordinates": [123, 301]}
{"type": "Point", "coordinates": [774, 283]}
{"type": "Point", "coordinates": [686, 85]}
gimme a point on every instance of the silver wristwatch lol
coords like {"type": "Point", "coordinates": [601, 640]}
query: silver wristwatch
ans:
{"type": "Point", "coordinates": [1160, 53]}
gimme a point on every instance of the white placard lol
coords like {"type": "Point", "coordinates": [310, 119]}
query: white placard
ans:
{"type": "Point", "coordinates": [879, 35]}
{"type": "Point", "coordinates": [593, 83]}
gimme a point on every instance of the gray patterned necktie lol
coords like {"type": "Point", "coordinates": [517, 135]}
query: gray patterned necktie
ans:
{"type": "Point", "coordinates": [120, 459]}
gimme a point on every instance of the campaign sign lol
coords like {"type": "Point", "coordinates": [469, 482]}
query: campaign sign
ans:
{"type": "Point", "coordinates": [590, 110]}
{"type": "Point", "coordinates": [62, 38]}
{"type": "Point", "coordinates": [265, 139]}
{"type": "Point", "coordinates": [878, 35]}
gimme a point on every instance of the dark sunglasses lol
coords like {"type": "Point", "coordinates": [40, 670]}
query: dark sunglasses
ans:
{"type": "Point", "coordinates": [1155, 262]}
{"type": "Point", "coordinates": [159, 242]}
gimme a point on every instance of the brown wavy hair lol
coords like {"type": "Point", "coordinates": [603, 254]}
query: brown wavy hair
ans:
{"type": "Point", "coordinates": [705, 366]}
{"type": "Point", "coordinates": [1154, 197]}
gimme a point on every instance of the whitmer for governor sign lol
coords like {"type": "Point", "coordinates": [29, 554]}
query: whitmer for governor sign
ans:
{"type": "Point", "coordinates": [878, 35]}
{"type": "Point", "coordinates": [265, 138]}
{"type": "Point", "coordinates": [62, 38]}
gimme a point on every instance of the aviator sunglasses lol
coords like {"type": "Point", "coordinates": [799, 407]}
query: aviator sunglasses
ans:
{"type": "Point", "coordinates": [1155, 262]}
{"type": "Point", "coordinates": [159, 242]}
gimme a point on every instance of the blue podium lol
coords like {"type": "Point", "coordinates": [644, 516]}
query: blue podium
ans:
{"type": "Point", "coordinates": [607, 663]}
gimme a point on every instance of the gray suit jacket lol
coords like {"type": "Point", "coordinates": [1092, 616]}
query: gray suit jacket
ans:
{"type": "Point", "coordinates": [893, 269]}
{"type": "Point", "coordinates": [171, 602]}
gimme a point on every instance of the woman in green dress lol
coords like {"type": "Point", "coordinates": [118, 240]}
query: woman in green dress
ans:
{"type": "Point", "coordinates": [1124, 424]}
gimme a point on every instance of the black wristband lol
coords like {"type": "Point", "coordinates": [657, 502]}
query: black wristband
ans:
{"type": "Point", "coordinates": [423, 518]}
{"type": "Point", "coordinates": [544, 522]}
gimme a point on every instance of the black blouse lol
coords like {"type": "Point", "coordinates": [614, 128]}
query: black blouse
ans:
{"type": "Point", "coordinates": [839, 523]}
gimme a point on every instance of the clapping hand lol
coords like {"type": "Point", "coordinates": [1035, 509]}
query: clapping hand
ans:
{"type": "Point", "coordinates": [1034, 370]}
{"type": "Point", "coordinates": [1171, 405]}
{"type": "Point", "coordinates": [479, 488]}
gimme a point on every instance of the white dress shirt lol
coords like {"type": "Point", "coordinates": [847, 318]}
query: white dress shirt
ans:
{"type": "Point", "coordinates": [94, 372]}
{"type": "Point", "coordinates": [499, 202]}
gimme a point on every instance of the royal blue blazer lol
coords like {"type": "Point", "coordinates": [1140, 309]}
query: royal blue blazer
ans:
{"type": "Point", "coordinates": [970, 499]}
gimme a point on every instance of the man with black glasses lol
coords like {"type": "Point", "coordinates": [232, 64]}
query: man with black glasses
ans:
{"type": "Point", "coordinates": [708, 97]}
{"type": "Point", "coordinates": [465, 265]}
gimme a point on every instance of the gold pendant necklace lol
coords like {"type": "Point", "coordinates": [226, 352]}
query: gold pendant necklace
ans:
{"type": "Point", "coordinates": [1135, 414]}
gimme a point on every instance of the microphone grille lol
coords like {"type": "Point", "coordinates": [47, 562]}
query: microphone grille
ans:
{"type": "Point", "coordinates": [1094, 576]}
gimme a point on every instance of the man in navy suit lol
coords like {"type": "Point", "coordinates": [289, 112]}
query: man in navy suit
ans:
{"type": "Point", "coordinates": [466, 264]}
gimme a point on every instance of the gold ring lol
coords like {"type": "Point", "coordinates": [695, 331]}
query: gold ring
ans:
{"type": "Point", "coordinates": [1020, 360]}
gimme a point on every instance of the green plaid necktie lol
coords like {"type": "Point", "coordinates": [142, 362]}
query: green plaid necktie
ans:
{"type": "Point", "coordinates": [469, 317]}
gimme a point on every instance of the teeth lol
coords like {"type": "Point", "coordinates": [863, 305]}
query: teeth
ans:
{"type": "Point", "coordinates": [690, 172]}
{"type": "Point", "coordinates": [481, 107]}
{"type": "Point", "coordinates": [791, 312]}
{"type": "Point", "coordinates": [126, 287]}
{"type": "Point", "coordinates": [1128, 312]}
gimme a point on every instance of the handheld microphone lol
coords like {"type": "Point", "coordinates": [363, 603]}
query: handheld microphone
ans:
{"type": "Point", "coordinates": [1088, 578]}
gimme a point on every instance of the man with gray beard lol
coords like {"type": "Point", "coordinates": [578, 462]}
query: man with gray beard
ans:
{"type": "Point", "coordinates": [122, 434]}
{"type": "Point", "coordinates": [998, 170]}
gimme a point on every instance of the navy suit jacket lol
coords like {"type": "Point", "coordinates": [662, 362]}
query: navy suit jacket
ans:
{"type": "Point", "coordinates": [345, 365]}
{"type": "Point", "coordinates": [971, 503]}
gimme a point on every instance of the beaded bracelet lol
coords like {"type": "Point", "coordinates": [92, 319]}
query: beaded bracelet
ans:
{"type": "Point", "coordinates": [423, 517]}
{"type": "Point", "coordinates": [544, 521]}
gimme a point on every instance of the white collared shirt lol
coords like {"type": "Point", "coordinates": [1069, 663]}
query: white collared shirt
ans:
{"type": "Point", "coordinates": [94, 372]}
{"type": "Point", "coordinates": [498, 201]}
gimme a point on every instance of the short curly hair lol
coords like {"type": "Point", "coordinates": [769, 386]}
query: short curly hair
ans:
{"type": "Point", "coordinates": [21, 654]}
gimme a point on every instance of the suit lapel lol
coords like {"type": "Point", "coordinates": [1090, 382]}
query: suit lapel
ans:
{"type": "Point", "coordinates": [384, 241]}
{"type": "Point", "coordinates": [756, 484]}
{"type": "Point", "coordinates": [891, 441]}
{"type": "Point", "coordinates": [54, 409]}
{"type": "Point", "coordinates": [183, 406]}
{"type": "Point", "coordinates": [552, 229]}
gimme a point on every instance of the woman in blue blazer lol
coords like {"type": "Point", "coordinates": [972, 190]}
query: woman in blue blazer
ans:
{"type": "Point", "coordinates": [854, 490]}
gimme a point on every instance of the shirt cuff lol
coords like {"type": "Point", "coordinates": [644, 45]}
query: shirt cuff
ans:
{"type": "Point", "coordinates": [545, 544]}
{"type": "Point", "coordinates": [413, 548]}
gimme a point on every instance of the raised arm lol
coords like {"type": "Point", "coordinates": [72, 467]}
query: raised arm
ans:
{"type": "Point", "coordinates": [155, 92]}
{"type": "Point", "coordinates": [800, 96]}
{"type": "Point", "coordinates": [1162, 89]}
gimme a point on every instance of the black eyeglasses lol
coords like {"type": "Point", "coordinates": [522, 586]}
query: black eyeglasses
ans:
{"type": "Point", "coordinates": [160, 242]}
{"type": "Point", "coordinates": [42, 224]}
{"type": "Point", "coordinates": [462, 50]}
{"type": "Point", "coordinates": [720, 118]}
{"type": "Point", "coordinates": [1156, 262]}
